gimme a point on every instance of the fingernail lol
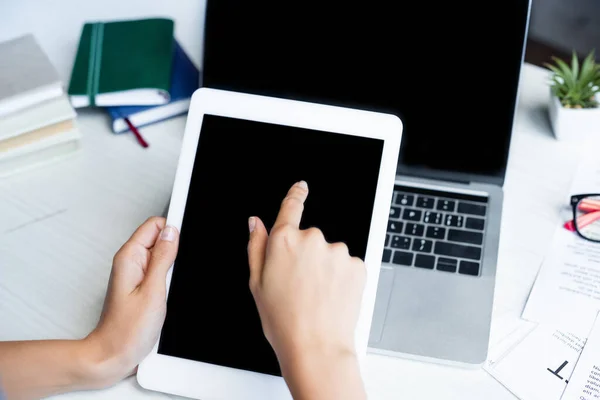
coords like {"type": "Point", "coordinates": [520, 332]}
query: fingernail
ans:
{"type": "Point", "coordinates": [251, 224]}
{"type": "Point", "coordinates": [303, 185]}
{"type": "Point", "coordinates": [168, 234]}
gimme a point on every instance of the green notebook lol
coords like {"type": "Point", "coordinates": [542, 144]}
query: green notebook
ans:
{"type": "Point", "coordinates": [123, 63]}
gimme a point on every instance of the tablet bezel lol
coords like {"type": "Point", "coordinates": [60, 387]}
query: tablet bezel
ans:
{"type": "Point", "coordinates": [208, 381]}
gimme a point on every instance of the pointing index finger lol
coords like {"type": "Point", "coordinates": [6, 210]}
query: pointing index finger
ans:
{"type": "Point", "coordinates": [292, 206]}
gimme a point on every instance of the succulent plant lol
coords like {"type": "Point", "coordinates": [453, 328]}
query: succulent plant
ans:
{"type": "Point", "coordinates": [576, 86]}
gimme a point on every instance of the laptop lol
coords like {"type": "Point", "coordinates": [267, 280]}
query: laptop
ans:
{"type": "Point", "coordinates": [450, 71]}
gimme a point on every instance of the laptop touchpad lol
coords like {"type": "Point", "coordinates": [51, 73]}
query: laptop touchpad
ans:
{"type": "Point", "coordinates": [384, 290]}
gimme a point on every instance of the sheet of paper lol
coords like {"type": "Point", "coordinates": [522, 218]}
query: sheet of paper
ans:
{"type": "Point", "coordinates": [585, 380]}
{"type": "Point", "coordinates": [566, 292]}
{"type": "Point", "coordinates": [535, 362]}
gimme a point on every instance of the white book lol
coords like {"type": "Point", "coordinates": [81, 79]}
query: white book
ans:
{"type": "Point", "coordinates": [30, 119]}
{"type": "Point", "coordinates": [27, 77]}
{"type": "Point", "coordinates": [40, 153]}
{"type": "Point", "coordinates": [12, 144]}
{"type": "Point", "coordinates": [147, 115]}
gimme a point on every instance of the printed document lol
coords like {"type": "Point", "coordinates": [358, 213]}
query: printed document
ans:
{"type": "Point", "coordinates": [585, 380]}
{"type": "Point", "coordinates": [566, 292]}
{"type": "Point", "coordinates": [535, 362]}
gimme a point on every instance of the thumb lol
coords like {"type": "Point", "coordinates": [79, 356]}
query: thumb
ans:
{"type": "Point", "coordinates": [163, 256]}
{"type": "Point", "coordinates": [257, 247]}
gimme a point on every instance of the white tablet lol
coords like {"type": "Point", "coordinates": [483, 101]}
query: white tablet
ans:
{"type": "Point", "coordinates": [240, 155]}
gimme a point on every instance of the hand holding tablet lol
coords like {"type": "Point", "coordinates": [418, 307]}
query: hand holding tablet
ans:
{"type": "Point", "coordinates": [312, 331]}
{"type": "Point", "coordinates": [307, 289]}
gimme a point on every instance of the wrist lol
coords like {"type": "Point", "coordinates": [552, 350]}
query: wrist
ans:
{"type": "Point", "coordinates": [300, 354]}
{"type": "Point", "coordinates": [80, 371]}
{"type": "Point", "coordinates": [99, 367]}
{"type": "Point", "coordinates": [317, 372]}
{"type": "Point", "coordinates": [304, 362]}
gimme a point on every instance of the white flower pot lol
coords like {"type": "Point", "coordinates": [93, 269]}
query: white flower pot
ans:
{"type": "Point", "coordinates": [578, 124]}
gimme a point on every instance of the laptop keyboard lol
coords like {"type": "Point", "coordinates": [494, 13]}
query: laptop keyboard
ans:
{"type": "Point", "coordinates": [436, 230]}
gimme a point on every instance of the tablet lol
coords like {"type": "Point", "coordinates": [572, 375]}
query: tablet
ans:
{"type": "Point", "coordinates": [240, 155]}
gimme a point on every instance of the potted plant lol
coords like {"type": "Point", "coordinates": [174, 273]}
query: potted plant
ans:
{"type": "Point", "coordinates": [575, 98]}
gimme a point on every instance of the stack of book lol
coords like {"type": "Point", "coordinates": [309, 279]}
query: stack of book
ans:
{"type": "Point", "coordinates": [37, 121]}
{"type": "Point", "coordinates": [135, 69]}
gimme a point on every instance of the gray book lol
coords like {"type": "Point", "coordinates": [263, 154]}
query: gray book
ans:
{"type": "Point", "coordinates": [27, 77]}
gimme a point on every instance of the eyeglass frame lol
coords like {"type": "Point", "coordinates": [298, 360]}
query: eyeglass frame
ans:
{"type": "Point", "coordinates": [575, 199]}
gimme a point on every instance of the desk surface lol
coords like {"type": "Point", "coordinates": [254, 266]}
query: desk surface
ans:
{"type": "Point", "coordinates": [61, 225]}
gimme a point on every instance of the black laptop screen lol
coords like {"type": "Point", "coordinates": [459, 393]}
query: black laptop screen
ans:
{"type": "Point", "coordinates": [449, 70]}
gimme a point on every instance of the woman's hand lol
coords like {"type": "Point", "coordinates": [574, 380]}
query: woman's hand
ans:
{"type": "Point", "coordinates": [134, 311]}
{"type": "Point", "coordinates": [135, 304]}
{"type": "Point", "coordinates": [308, 293]}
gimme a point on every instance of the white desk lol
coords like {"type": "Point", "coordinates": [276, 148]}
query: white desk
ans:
{"type": "Point", "coordinates": [61, 225]}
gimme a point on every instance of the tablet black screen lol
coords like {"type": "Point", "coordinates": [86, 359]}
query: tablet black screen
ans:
{"type": "Point", "coordinates": [244, 168]}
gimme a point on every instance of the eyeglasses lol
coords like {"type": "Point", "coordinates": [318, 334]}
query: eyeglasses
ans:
{"type": "Point", "coordinates": [586, 216]}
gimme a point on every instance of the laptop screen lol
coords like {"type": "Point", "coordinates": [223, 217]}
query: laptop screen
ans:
{"type": "Point", "coordinates": [449, 70]}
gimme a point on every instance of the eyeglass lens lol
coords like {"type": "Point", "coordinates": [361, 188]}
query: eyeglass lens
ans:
{"type": "Point", "coordinates": [587, 218]}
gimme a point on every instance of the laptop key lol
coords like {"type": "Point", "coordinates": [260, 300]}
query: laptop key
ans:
{"type": "Point", "coordinates": [447, 264]}
{"type": "Point", "coordinates": [454, 220]}
{"type": "Point", "coordinates": [424, 261]}
{"type": "Point", "coordinates": [387, 255]}
{"type": "Point", "coordinates": [395, 226]}
{"type": "Point", "coordinates": [457, 250]}
{"type": "Point", "coordinates": [475, 223]}
{"type": "Point", "coordinates": [402, 258]}
{"type": "Point", "coordinates": [468, 268]}
{"type": "Point", "coordinates": [422, 245]}
{"type": "Point", "coordinates": [414, 229]}
{"type": "Point", "coordinates": [425, 202]}
{"type": "Point", "coordinates": [401, 242]}
{"type": "Point", "coordinates": [395, 212]}
{"type": "Point", "coordinates": [471, 208]}
{"type": "Point", "coordinates": [405, 199]}
{"type": "Point", "coordinates": [411, 214]}
{"type": "Point", "coordinates": [436, 232]}
{"type": "Point", "coordinates": [432, 217]}
{"type": "Point", "coordinates": [468, 237]}
{"type": "Point", "coordinates": [446, 205]}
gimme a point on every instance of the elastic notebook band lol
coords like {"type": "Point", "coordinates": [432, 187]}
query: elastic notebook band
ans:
{"type": "Point", "coordinates": [98, 59]}
{"type": "Point", "coordinates": [96, 41]}
{"type": "Point", "coordinates": [91, 64]}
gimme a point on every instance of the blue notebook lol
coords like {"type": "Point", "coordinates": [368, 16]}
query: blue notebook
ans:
{"type": "Point", "coordinates": [184, 81]}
